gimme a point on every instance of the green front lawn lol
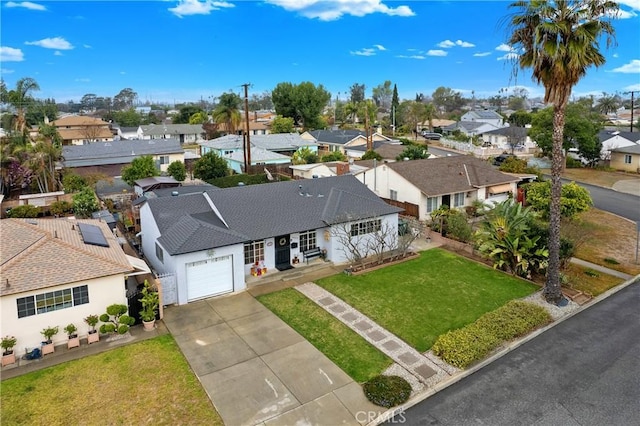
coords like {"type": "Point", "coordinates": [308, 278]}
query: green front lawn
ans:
{"type": "Point", "coordinates": [148, 382]}
{"type": "Point", "coordinates": [338, 342]}
{"type": "Point", "coordinates": [420, 299]}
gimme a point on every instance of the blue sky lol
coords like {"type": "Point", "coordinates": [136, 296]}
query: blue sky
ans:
{"type": "Point", "coordinates": [176, 51]}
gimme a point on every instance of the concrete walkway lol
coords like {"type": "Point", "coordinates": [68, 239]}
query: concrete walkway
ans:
{"type": "Point", "coordinates": [602, 269]}
{"type": "Point", "coordinates": [427, 371]}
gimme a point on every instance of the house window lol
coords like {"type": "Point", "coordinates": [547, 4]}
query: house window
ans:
{"type": "Point", "coordinates": [393, 194]}
{"type": "Point", "coordinates": [432, 204]}
{"type": "Point", "coordinates": [253, 252]}
{"type": "Point", "coordinates": [365, 227]}
{"type": "Point", "coordinates": [458, 199]}
{"type": "Point", "coordinates": [52, 301]}
{"type": "Point", "coordinates": [307, 240]}
{"type": "Point", "coordinates": [159, 253]}
{"type": "Point", "coordinates": [627, 159]}
{"type": "Point", "coordinates": [164, 159]}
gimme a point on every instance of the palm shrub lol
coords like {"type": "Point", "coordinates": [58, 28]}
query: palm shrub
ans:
{"type": "Point", "coordinates": [116, 320]}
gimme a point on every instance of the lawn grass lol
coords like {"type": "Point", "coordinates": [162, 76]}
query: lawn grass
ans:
{"type": "Point", "coordinates": [339, 343]}
{"type": "Point", "coordinates": [588, 280]}
{"type": "Point", "coordinates": [143, 383]}
{"type": "Point", "coordinates": [420, 299]}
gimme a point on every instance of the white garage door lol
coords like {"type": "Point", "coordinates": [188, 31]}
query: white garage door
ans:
{"type": "Point", "coordinates": [209, 277]}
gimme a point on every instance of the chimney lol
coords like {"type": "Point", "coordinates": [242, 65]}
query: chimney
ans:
{"type": "Point", "coordinates": [342, 168]}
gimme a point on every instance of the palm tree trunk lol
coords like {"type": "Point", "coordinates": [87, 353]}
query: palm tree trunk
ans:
{"type": "Point", "coordinates": [552, 291]}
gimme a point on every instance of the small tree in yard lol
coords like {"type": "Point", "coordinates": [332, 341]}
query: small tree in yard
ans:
{"type": "Point", "coordinates": [210, 166]}
{"type": "Point", "coordinates": [85, 202]}
{"type": "Point", "coordinates": [411, 231]}
{"type": "Point", "coordinates": [116, 320]}
{"type": "Point", "coordinates": [382, 240]}
{"type": "Point", "coordinates": [353, 246]}
{"type": "Point", "coordinates": [574, 199]}
{"type": "Point", "coordinates": [178, 170]}
{"type": "Point", "coordinates": [140, 168]}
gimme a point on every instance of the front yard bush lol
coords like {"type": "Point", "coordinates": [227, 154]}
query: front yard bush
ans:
{"type": "Point", "coordinates": [466, 345]}
{"type": "Point", "coordinates": [25, 210]}
{"type": "Point", "coordinates": [387, 391]}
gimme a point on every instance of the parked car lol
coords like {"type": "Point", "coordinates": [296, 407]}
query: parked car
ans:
{"type": "Point", "coordinates": [431, 136]}
{"type": "Point", "coordinates": [501, 159]}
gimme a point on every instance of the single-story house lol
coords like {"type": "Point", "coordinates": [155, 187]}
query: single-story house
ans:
{"type": "Point", "coordinates": [319, 170]}
{"type": "Point", "coordinates": [487, 116]}
{"type": "Point", "coordinates": [185, 133]}
{"type": "Point", "coordinates": [612, 140]}
{"type": "Point", "coordinates": [455, 181]}
{"type": "Point", "coordinates": [211, 241]}
{"type": "Point", "coordinates": [388, 150]}
{"type": "Point", "coordinates": [155, 182]}
{"type": "Point", "coordinates": [81, 129]}
{"type": "Point", "coordinates": [110, 157]}
{"type": "Point", "coordinates": [470, 128]}
{"type": "Point", "coordinates": [507, 137]}
{"type": "Point", "coordinates": [259, 156]}
{"type": "Point", "coordinates": [626, 158]}
{"type": "Point", "coordinates": [281, 143]}
{"type": "Point", "coordinates": [58, 271]}
{"type": "Point", "coordinates": [128, 132]}
{"type": "Point", "coordinates": [341, 140]}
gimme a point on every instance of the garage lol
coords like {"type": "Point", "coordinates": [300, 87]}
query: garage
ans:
{"type": "Point", "coordinates": [209, 277]}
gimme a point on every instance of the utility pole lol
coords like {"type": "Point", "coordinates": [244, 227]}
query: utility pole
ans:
{"type": "Point", "coordinates": [632, 93]}
{"type": "Point", "coordinates": [247, 149]}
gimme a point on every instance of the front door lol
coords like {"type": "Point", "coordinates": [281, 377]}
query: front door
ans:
{"type": "Point", "coordinates": [283, 253]}
{"type": "Point", "coordinates": [446, 200]}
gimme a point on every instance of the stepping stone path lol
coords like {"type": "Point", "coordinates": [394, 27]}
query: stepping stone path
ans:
{"type": "Point", "coordinates": [428, 371]}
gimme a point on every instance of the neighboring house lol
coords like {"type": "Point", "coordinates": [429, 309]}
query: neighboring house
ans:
{"type": "Point", "coordinates": [58, 271]}
{"type": "Point", "coordinates": [484, 116]}
{"type": "Point", "coordinates": [80, 130]}
{"type": "Point", "coordinates": [455, 181]}
{"type": "Point", "coordinates": [212, 240]}
{"type": "Point", "coordinates": [319, 170]}
{"type": "Point", "coordinates": [507, 137]}
{"type": "Point", "coordinates": [612, 140]}
{"type": "Point", "coordinates": [281, 143]}
{"type": "Point", "coordinates": [388, 150]}
{"type": "Point", "coordinates": [340, 140]}
{"type": "Point", "coordinates": [128, 133]}
{"type": "Point", "coordinates": [436, 122]}
{"type": "Point", "coordinates": [110, 157]}
{"type": "Point", "coordinates": [255, 128]}
{"type": "Point", "coordinates": [152, 183]}
{"type": "Point", "coordinates": [185, 133]}
{"type": "Point", "coordinates": [626, 158]}
{"type": "Point", "coordinates": [259, 156]}
{"type": "Point", "coordinates": [470, 128]}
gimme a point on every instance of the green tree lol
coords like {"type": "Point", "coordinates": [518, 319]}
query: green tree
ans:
{"type": "Point", "coordinates": [40, 109]}
{"type": "Point", "coordinates": [282, 125]}
{"type": "Point", "coordinates": [20, 98]}
{"type": "Point", "coordinates": [125, 99]}
{"type": "Point", "coordinates": [198, 118]}
{"type": "Point", "coordinates": [140, 168]}
{"type": "Point", "coordinates": [574, 199]}
{"type": "Point", "coordinates": [447, 99]}
{"type": "Point", "coordinates": [608, 103]}
{"type": "Point", "coordinates": [210, 166]}
{"type": "Point", "coordinates": [413, 152]}
{"type": "Point", "coordinates": [126, 118]}
{"type": "Point", "coordinates": [559, 41]}
{"type": "Point", "coordinates": [72, 182]}
{"type": "Point", "coordinates": [284, 101]}
{"type": "Point", "coordinates": [371, 155]}
{"type": "Point", "coordinates": [310, 101]}
{"type": "Point", "coordinates": [227, 112]}
{"type": "Point", "coordinates": [185, 112]}
{"type": "Point", "coordinates": [505, 237]}
{"type": "Point", "coordinates": [178, 170]}
{"type": "Point", "coordinates": [357, 93]}
{"type": "Point", "coordinates": [304, 155]}
{"type": "Point", "coordinates": [85, 202]}
{"type": "Point", "coordinates": [381, 95]}
{"type": "Point", "coordinates": [333, 156]}
{"type": "Point", "coordinates": [395, 100]}
{"type": "Point", "coordinates": [520, 118]}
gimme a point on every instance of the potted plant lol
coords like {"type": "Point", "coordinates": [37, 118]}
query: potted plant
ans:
{"type": "Point", "coordinates": [7, 343]}
{"type": "Point", "coordinates": [92, 321]}
{"type": "Point", "coordinates": [150, 301]}
{"type": "Point", "coordinates": [47, 345]}
{"type": "Point", "coordinates": [72, 332]}
{"type": "Point", "coordinates": [116, 320]}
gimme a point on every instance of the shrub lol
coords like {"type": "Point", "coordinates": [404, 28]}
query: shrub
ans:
{"type": "Point", "coordinates": [24, 211]}
{"type": "Point", "coordinates": [611, 261]}
{"type": "Point", "coordinates": [466, 345]}
{"type": "Point", "coordinates": [572, 163]}
{"type": "Point", "coordinates": [60, 208]}
{"type": "Point", "coordinates": [387, 391]}
{"type": "Point", "coordinates": [591, 273]}
{"type": "Point", "coordinates": [73, 182]}
{"type": "Point", "coordinates": [116, 320]}
{"type": "Point", "coordinates": [458, 227]}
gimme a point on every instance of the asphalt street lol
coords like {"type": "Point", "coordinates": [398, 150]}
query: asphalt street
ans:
{"type": "Point", "coordinates": [584, 371]}
{"type": "Point", "coordinates": [619, 203]}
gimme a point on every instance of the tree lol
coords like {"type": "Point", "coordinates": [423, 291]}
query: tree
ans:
{"type": "Point", "coordinates": [178, 170]}
{"type": "Point", "coordinates": [185, 112]}
{"type": "Point", "coordinates": [357, 93]}
{"type": "Point", "coordinates": [88, 102]}
{"type": "Point", "coordinates": [227, 112]}
{"type": "Point", "coordinates": [124, 99]}
{"type": "Point", "coordinates": [574, 199]}
{"type": "Point", "coordinates": [126, 118]}
{"type": "Point", "coordinates": [199, 117]}
{"type": "Point", "coordinates": [607, 103]}
{"type": "Point", "coordinates": [413, 152]}
{"type": "Point", "coordinates": [282, 125]}
{"type": "Point", "coordinates": [520, 118]}
{"type": "Point", "coordinates": [395, 100]}
{"type": "Point", "coordinates": [382, 95]}
{"type": "Point", "coordinates": [140, 168]}
{"type": "Point", "coordinates": [40, 111]}
{"type": "Point", "coordinates": [446, 99]}
{"type": "Point", "coordinates": [371, 155]}
{"type": "Point", "coordinates": [85, 202]}
{"type": "Point", "coordinates": [210, 166]}
{"type": "Point", "coordinates": [333, 156]}
{"type": "Point", "coordinates": [559, 42]}
{"type": "Point", "coordinates": [20, 98]}
{"type": "Point", "coordinates": [413, 113]}
{"type": "Point", "coordinates": [304, 155]}
{"type": "Point", "coordinates": [303, 102]}
{"type": "Point", "coordinates": [260, 102]}
{"type": "Point", "coordinates": [283, 101]}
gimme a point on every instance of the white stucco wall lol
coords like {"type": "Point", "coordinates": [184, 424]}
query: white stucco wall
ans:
{"type": "Point", "coordinates": [102, 293]}
{"type": "Point", "coordinates": [337, 251]}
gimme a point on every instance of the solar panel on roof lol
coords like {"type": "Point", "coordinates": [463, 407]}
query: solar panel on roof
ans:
{"type": "Point", "coordinates": [92, 234]}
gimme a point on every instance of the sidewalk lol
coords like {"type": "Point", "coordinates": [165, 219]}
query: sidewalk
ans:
{"type": "Point", "coordinates": [602, 269]}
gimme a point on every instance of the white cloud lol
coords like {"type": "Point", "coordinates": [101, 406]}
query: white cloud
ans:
{"type": "Point", "coordinates": [627, 14]}
{"type": "Point", "coordinates": [9, 54]}
{"type": "Point", "coordinates": [364, 52]}
{"type": "Point", "coordinates": [464, 44]}
{"type": "Point", "coordinates": [436, 52]}
{"type": "Point", "coordinates": [446, 44]}
{"type": "Point", "coordinates": [58, 43]}
{"type": "Point", "coordinates": [6, 71]}
{"type": "Point", "coordinates": [508, 57]}
{"type": "Point", "coordinates": [57, 53]}
{"type": "Point", "coordinates": [411, 56]}
{"type": "Point", "coordinates": [27, 5]}
{"type": "Point", "coordinates": [197, 7]}
{"type": "Point", "coordinates": [379, 47]}
{"type": "Point", "coordinates": [482, 54]}
{"type": "Point", "coordinates": [504, 48]}
{"type": "Point", "coordinates": [632, 67]}
{"type": "Point", "coordinates": [86, 46]}
{"type": "Point", "coordinates": [634, 87]}
{"type": "Point", "coordinates": [329, 10]}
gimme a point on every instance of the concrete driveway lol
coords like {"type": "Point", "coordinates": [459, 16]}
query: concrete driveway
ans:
{"type": "Point", "coordinates": [258, 370]}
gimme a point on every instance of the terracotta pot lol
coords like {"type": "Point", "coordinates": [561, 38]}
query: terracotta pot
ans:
{"type": "Point", "coordinates": [149, 325]}
{"type": "Point", "coordinates": [8, 358]}
{"type": "Point", "coordinates": [73, 342]}
{"type": "Point", "coordinates": [93, 337]}
{"type": "Point", "coordinates": [47, 348]}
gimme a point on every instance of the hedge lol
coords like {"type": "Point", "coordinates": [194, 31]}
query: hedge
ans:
{"type": "Point", "coordinates": [466, 345]}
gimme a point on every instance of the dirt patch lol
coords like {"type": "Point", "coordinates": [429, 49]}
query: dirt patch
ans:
{"type": "Point", "coordinates": [597, 177]}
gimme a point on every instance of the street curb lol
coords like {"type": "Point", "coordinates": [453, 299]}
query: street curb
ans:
{"type": "Point", "coordinates": [508, 347]}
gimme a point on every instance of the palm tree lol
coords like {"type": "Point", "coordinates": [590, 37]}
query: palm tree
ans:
{"type": "Point", "coordinates": [228, 112]}
{"type": "Point", "coordinates": [607, 103]}
{"type": "Point", "coordinates": [559, 41]}
{"type": "Point", "coordinates": [20, 98]}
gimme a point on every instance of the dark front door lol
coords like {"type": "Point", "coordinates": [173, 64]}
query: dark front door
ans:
{"type": "Point", "coordinates": [446, 200]}
{"type": "Point", "coordinates": [283, 253]}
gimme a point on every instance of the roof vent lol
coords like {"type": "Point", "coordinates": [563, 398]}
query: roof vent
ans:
{"type": "Point", "coordinates": [240, 183]}
{"type": "Point", "coordinates": [174, 193]}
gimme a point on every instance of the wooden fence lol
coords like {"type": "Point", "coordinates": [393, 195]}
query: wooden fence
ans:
{"type": "Point", "coordinates": [409, 208]}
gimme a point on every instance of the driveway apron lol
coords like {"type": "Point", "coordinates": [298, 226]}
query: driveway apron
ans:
{"type": "Point", "coordinates": [256, 369]}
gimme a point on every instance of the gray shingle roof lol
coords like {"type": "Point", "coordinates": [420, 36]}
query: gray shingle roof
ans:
{"type": "Point", "coordinates": [340, 137]}
{"type": "Point", "coordinates": [608, 134]}
{"type": "Point", "coordinates": [448, 175]}
{"type": "Point", "coordinates": [511, 131]}
{"type": "Point", "coordinates": [632, 149]}
{"type": "Point", "coordinates": [272, 142]}
{"type": "Point", "coordinates": [117, 152]}
{"type": "Point", "coordinates": [172, 129]}
{"type": "Point", "coordinates": [187, 223]}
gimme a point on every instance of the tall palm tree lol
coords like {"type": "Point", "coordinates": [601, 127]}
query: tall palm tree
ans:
{"type": "Point", "coordinates": [559, 41]}
{"type": "Point", "coordinates": [20, 98]}
{"type": "Point", "coordinates": [228, 112]}
{"type": "Point", "coordinates": [607, 103]}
